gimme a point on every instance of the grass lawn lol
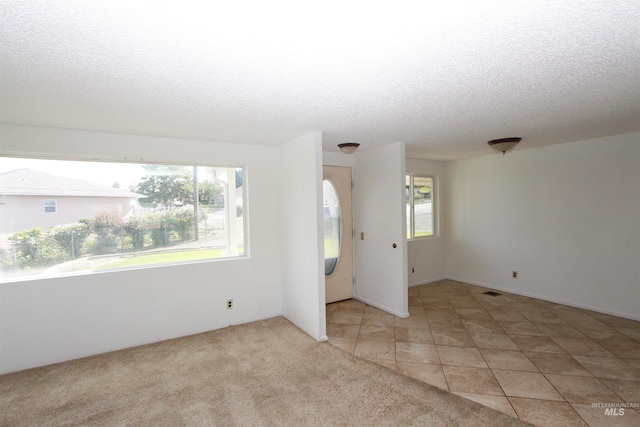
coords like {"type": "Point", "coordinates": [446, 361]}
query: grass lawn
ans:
{"type": "Point", "coordinates": [162, 258]}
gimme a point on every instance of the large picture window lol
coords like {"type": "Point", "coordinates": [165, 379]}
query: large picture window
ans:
{"type": "Point", "coordinates": [112, 216]}
{"type": "Point", "coordinates": [420, 206]}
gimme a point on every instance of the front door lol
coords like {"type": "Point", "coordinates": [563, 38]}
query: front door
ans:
{"type": "Point", "coordinates": [338, 234]}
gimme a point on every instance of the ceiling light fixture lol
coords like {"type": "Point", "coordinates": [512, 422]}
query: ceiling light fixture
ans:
{"type": "Point", "coordinates": [504, 145]}
{"type": "Point", "coordinates": [349, 147]}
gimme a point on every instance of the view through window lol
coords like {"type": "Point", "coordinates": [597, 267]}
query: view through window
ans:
{"type": "Point", "coordinates": [81, 217]}
{"type": "Point", "coordinates": [420, 212]}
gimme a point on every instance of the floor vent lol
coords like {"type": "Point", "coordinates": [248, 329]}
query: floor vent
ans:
{"type": "Point", "coordinates": [493, 294]}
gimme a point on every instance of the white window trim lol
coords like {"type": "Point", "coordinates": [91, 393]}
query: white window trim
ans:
{"type": "Point", "coordinates": [434, 207]}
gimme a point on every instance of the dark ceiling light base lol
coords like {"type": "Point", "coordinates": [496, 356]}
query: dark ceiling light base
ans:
{"type": "Point", "coordinates": [503, 145]}
{"type": "Point", "coordinates": [349, 147]}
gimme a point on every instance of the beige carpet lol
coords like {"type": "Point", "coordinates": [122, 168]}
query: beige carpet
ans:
{"type": "Point", "coordinates": [258, 374]}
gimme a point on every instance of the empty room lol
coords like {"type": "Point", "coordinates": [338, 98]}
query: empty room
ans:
{"type": "Point", "coordinates": [285, 213]}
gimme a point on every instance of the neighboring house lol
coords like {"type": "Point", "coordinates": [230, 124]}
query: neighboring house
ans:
{"type": "Point", "coordinates": [218, 200]}
{"type": "Point", "coordinates": [30, 198]}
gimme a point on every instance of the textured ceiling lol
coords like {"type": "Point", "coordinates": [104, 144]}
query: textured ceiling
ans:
{"type": "Point", "coordinates": [443, 77]}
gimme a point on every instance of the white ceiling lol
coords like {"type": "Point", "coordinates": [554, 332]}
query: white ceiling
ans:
{"type": "Point", "coordinates": [444, 77]}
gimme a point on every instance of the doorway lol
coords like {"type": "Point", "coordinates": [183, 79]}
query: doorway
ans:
{"type": "Point", "coordinates": [338, 233]}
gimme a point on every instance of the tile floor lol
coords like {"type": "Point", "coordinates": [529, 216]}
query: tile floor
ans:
{"type": "Point", "coordinates": [545, 363]}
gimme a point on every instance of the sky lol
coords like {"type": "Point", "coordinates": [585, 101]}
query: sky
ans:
{"type": "Point", "coordinates": [98, 172]}
{"type": "Point", "coordinates": [126, 174]}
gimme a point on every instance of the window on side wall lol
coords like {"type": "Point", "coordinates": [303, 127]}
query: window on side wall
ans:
{"type": "Point", "coordinates": [115, 216]}
{"type": "Point", "coordinates": [50, 206]}
{"type": "Point", "coordinates": [420, 208]}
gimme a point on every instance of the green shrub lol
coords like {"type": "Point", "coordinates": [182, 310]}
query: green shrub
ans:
{"type": "Point", "coordinates": [108, 229]}
{"type": "Point", "coordinates": [36, 249]}
{"type": "Point", "coordinates": [71, 237]}
{"type": "Point", "coordinates": [135, 229]}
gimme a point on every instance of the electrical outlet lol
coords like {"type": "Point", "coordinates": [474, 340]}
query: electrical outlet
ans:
{"type": "Point", "coordinates": [514, 274]}
{"type": "Point", "coordinates": [229, 304]}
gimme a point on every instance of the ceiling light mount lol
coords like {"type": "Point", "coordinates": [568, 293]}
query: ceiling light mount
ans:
{"type": "Point", "coordinates": [349, 147]}
{"type": "Point", "coordinates": [504, 145]}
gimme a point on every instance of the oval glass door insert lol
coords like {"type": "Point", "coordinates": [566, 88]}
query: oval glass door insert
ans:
{"type": "Point", "coordinates": [331, 209]}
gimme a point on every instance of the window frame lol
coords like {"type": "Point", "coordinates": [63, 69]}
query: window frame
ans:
{"type": "Point", "coordinates": [242, 236]}
{"type": "Point", "coordinates": [55, 205]}
{"type": "Point", "coordinates": [410, 204]}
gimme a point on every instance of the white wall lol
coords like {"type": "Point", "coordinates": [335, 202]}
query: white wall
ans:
{"type": "Point", "coordinates": [301, 233]}
{"type": "Point", "coordinates": [51, 320]}
{"type": "Point", "coordinates": [426, 256]}
{"type": "Point", "coordinates": [566, 217]}
{"type": "Point", "coordinates": [379, 213]}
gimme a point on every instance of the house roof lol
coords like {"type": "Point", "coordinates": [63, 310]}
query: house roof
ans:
{"type": "Point", "coordinates": [444, 77]}
{"type": "Point", "coordinates": [29, 182]}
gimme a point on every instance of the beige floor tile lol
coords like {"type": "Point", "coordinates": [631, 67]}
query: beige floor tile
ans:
{"type": "Point", "coordinates": [376, 333]}
{"type": "Point", "coordinates": [433, 303]}
{"type": "Point", "coordinates": [350, 317]}
{"type": "Point", "coordinates": [598, 417]}
{"type": "Point", "coordinates": [537, 344]}
{"type": "Point", "coordinates": [455, 332]}
{"type": "Point", "coordinates": [546, 413]}
{"type": "Point", "coordinates": [602, 333]}
{"type": "Point", "coordinates": [499, 341]}
{"type": "Point", "coordinates": [620, 322]}
{"type": "Point", "coordinates": [563, 364]}
{"type": "Point", "coordinates": [412, 322]}
{"type": "Point", "coordinates": [560, 330]}
{"type": "Point", "coordinates": [581, 347]}
{"type": "Point", "coordinates": [378, 319]}
{"type": "Point", "coordinates": [582, 389]}
{"type": "Point", "coordinates": [530, 307]}
{"type": "Point", "coordinates": [417, 312]}
{"type": "Point", "coordinates": [372, 309]}
{"type": "Point", "coordinates": [628, 390]}
{"type": "Point", "coordinates": [473, 314]}
{"type": "Point", "coordinates": [429, 373]}
{"type": "Point", "coordinates": [579, 320]}
{"type": "Point", "coordinates": [499, 403]}
{"type": "Point", "coordinates": [346, 344]}
{"type": "Point", "coordinates": [521, 328]}
{"type": "Point", "coordinates": [415, 352]}
{"type": "Point", "coordinates": [539, 317]}
{"type": "Point", "coordinates": [469, 303]}
{"type": "Point", "coordinates": [419, 336]}
{"type": "Point", "coordinates": [351, 304]}
{"type": "Point", "coordinates": [471, 380]}
{"type": "Point", "coordinates": [507, 315]}
{"type": "Point", "coordinates": [373, 350]}
{"type": "Point", "coordinates": [483, 327]}
{"type": "Point", "coordinates": [526, 384]}
{"type": "Point", "coordinates": [627, 349]}
{"type": "Point", "coordinates": [341, 330]}
{"type": "Point", "coordinates": [633, 333]}
{"type": "Point", "coordinates": [508, 360]}
{"type": "Point", "coordinates": [461, 356]}
{"type": "Point", "coordinates": [609, 367]}
{"type": "Point", "coordinates": [447, 313]}
{"type": "Point", "coordinates": [441, 325]}
{"type": "Point", "coordinates": [455, 338]}
{"type": "Point", "coordinates": [415, 301]}
{"type": "Point", "coordinates": [634, 363]}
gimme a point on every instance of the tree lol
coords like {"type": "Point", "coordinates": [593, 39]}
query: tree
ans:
{"type": "Point", "coordinates": [207, 192]}
{"type": "Point", "coordinates": [165, 186]}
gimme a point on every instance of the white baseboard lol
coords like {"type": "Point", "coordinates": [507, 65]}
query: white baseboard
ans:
{"type": "Point", "coordinates": [426, 282]}
{"type": "Point", "coordinates": [382, 307]}
{"type": "Point", "coordinates": [545, 298]}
